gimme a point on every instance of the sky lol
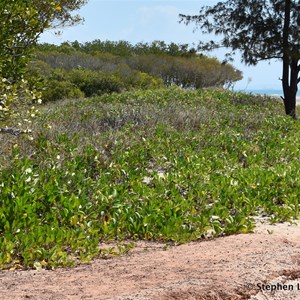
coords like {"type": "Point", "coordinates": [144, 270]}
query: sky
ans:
{"type": "Point", "coordinates": [149, 20]}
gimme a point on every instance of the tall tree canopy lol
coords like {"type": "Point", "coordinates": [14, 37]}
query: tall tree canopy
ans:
{"type": "Point", "coordinates": [261, 30]}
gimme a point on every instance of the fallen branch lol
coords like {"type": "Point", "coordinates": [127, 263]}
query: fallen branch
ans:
{"type": "Point", "coordinates": [13, 131]}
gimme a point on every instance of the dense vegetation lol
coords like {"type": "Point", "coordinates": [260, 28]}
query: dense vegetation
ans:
{"type": "Point", "coordinates": [169, 164]}
{"type": "Point", "coordinates": [94, 68]}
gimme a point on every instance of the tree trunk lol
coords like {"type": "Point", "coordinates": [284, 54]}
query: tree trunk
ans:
{"type": "Point", "coordinates": [289, 85]}
{"type": "Point", "coordinates": [290, 105]}
{"type": "Point", "coordinates": [290, 67]}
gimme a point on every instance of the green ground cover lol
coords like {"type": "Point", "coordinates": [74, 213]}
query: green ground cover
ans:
{"type": "Point", "coordinates": [169, 165]}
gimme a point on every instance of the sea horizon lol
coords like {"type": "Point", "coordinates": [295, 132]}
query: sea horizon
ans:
{"type": "Point", "coordinates": [270, 92]}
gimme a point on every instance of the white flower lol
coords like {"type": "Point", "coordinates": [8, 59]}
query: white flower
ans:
{"type": "Point", "coordinates": [28, 171]}
{"type": "Point", "coordinates": [147, 179]}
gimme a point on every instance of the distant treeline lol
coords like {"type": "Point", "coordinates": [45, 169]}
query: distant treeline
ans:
{"type": "Point", "coordinates": [75, 69]}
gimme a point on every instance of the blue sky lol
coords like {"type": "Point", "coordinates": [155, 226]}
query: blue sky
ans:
{"type": "Point", "coordinates": [148, 20]}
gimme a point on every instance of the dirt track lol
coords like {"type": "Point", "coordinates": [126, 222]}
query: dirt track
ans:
{"type": "Point", "coordinates": [233, 267]}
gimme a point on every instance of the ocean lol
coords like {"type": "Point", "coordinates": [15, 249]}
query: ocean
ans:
{"type": "Point", "coordinates": [269, 92]}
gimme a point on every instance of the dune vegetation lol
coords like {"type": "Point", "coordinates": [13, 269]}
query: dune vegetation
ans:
{"type": "Point", "coordinates": [168, 164]}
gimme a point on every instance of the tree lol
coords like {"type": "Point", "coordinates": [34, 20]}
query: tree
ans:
{"type": "Point", "coordinates": [261, 30]}
{"type": "Point", "coordinates": [63, 12]}
{"type": "Point", "coordinates": [22, 22]}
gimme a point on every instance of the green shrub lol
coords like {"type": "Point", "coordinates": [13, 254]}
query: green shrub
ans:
{"type": "Point", "coordinates": [17, 102]}
{"type": "Point", "coordinates": [144, 81]}
{"type": "Point", "coordinates": [93, 83]}
{"type": "Point", "coordinates": [57, 90]}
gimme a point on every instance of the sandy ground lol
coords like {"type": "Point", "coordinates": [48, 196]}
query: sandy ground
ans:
{"type": "Point", "coordinates": [246, 266]}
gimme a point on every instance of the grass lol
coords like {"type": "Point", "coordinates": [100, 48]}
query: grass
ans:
{"type": "Point", "coordinates": [168, 165]}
